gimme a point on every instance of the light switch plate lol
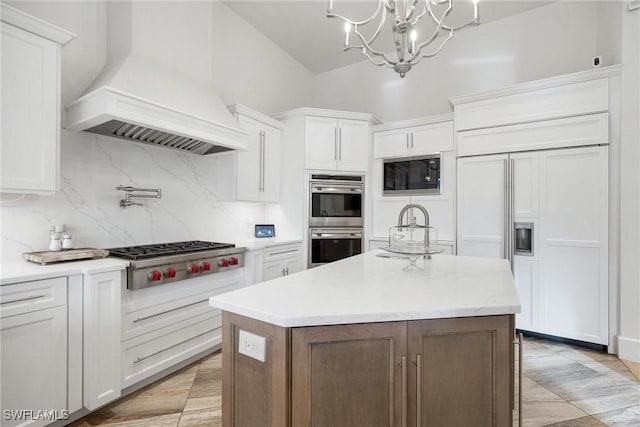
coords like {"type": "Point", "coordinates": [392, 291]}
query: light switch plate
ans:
{"type": "Point", "coordinates": [252, 345]}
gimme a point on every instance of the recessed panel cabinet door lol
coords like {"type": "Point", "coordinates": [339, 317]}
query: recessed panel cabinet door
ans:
{"type": "Point", "coordinates": [34, 363]}
{"type": "Point", "coordinates": [349, 375]}
{"type": "Point", "coordinates": [574, 241]}
{"type": "Point", "coordinates": [29, 133]}
{"type": "Point", "coordinates": [353, 146]}
{"type": "Point", "coordinates": [482, 206]}
{"type": "Point", "coordinates": [271, 165]}
{"type": "Point", "coordinates": [249, 162]}
{"type": "Point", "coordinates": [321, 142]}
{"type": "Point", "coordinates": [457, 368]}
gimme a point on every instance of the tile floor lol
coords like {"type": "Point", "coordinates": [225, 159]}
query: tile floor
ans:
{"type": "Point", "coordinates": [562, 386]}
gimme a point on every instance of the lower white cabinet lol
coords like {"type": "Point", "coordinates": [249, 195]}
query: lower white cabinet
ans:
{"type": "Point", "coordinates": [165, 325]}
{"type": "Point", "coordinates": [35, 347]}
{"type": "Point", "coordinates": [101, 339]}
{"type": "Point", "coordinates": [34, 364]}
{"type": "Point", "coordinates": [281, 260]}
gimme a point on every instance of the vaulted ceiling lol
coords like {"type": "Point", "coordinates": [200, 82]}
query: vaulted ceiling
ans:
{"type": "Point", "coordinates": [302, 29]}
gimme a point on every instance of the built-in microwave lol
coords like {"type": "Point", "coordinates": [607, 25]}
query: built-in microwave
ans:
{"type": "Point", "coordinates": [412, 175]}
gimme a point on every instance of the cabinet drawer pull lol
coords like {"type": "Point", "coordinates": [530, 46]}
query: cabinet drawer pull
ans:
{"type": "Point", "coordinates": [519, 342]}
{"type": "Point", "coordinates": [140, 319]}
{"type": "Point", "coordinates": [21, 299]}
{"type": "Point", "coordinates": [284, 252]}
{"type": "Point", "coordinates": [418, 387]}
{"type": "Point", "coordinates": [140, 359]}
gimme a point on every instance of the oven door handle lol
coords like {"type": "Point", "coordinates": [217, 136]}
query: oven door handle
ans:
{"type": "Point", "coordinates": [335, 235]}
{"type": "Point", "coordinates": [335, 189]}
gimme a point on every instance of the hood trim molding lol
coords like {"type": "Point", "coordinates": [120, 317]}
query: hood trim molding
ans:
{"type": "Point", "coordinates": [106, 103]}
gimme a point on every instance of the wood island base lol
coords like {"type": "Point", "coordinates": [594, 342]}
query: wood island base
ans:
{"type": "Point", "coordinates": [436, 372]}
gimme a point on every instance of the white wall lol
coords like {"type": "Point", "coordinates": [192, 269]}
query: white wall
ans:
{"type": "Point", "coordinates": [556, 39]}
{"type": "Point", "coordinates": [250, 69]}
{"type": "Point", "coordinates": [629, 334]}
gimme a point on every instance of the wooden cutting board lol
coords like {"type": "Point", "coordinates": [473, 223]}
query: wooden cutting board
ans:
{"type": "Point", "coordinates": [47, 257]}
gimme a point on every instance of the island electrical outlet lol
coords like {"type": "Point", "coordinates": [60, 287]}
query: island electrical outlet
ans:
{"type": "Point", "coordinates": [252, 345]}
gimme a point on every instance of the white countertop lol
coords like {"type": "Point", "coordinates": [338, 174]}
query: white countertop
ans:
{"type": "Point", "coordinates": [24, 271]}
{"type": "Point", "coordinates": [366, 288]}
{"type": "Point", "coordinates": [265, 242]}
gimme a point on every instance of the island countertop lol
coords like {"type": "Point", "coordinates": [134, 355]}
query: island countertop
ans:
{"type": "Point", "coordinates": [366, 288]}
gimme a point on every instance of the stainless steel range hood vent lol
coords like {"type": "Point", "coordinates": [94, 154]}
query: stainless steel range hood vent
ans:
{"type": "Point", "coordinates": [130, 131]}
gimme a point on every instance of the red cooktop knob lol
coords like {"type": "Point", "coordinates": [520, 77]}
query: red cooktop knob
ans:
{"type": "Point", "coordinates": [205, 266]}
{"type": "Point", "coordinates": [193, 268]}
{"type": "Point", "coordinates": [233, 261]}
{"type": "Point", "coordinates": [155, 276]}
{"type": "Point", "coordinates": [223, 263]}
{"type": "Point", "coordinates": [171, 272]}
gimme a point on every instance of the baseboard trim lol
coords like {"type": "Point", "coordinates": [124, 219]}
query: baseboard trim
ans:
{"type": "Point", "coordinates": [629, 349]}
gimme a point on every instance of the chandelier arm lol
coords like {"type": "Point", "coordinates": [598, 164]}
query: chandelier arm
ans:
{"type": "Point", "coordinates": [475, 21]}
{"type": "Point", "coordinates": [330, 14]}
{"type": "Point", "coordinates": [389, 64]}
{"type": "Point", "coordinates": [383, 18]}
{"type": "Point", "coordinates": [424, 12]}
{"type": "Point", "coordinates": [436, 31]}
{"type": "Point", "coordinates": [417, 58]}
{"type": "Point", "coordinates": [367, 49]}
{"type": "Point", "coordinates": [412, 9]}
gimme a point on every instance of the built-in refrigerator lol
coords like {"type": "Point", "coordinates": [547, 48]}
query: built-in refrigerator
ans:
{"type": "Point", "coordinates": [547, 213]}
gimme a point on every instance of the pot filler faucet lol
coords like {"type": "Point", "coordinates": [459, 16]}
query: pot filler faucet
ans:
{"type": "Point", "coordinates": [411, 217]}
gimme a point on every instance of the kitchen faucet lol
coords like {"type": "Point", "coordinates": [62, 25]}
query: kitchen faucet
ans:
{"type": "Point", "coordinates": [412, 218]}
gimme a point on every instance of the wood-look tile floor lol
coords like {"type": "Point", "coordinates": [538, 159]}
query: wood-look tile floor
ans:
{"type": "Point", "coordinates": [562, 386]}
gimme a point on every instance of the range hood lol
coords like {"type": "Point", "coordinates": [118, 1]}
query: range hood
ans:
{"type": "Point", "coordinates": [144, 99]}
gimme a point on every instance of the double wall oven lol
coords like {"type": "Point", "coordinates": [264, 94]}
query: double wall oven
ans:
{"type": "Point", "coordinates": [336, 209]}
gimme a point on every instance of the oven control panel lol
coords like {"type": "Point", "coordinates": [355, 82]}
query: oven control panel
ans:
{"type": "Point", "coordinates": [143, 277]}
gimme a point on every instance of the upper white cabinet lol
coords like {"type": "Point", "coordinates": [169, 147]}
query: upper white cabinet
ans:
{"type": "Point", "coordinates": [336, 144]}
{"type": "Point", "coordinates": [413, 137]}
{"type": "Point", "coordinates": [253, 175]}
{"type": "Point", "coordinates": [30, 115]}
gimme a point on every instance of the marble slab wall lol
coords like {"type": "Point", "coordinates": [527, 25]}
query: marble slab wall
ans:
{"type": "Point", "coordinates": [91, 166]}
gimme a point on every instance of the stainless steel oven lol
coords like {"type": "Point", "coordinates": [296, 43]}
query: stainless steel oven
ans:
{"type": "Point", "coordinates": [336, 201]}
{"type": "Point", "coordinates": [332, 244]}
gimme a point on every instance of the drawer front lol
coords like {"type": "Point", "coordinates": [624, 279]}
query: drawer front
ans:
{"type": "Point", "coordinates": [281, 251]}
{"type": "Point", "coordinates": [149, 314]}
{"type": "Point", "coordinates": [151, 353]}
{"type": "Point", "coordinates": [31, 296]}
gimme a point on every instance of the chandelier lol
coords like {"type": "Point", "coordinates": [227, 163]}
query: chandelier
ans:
{"type": "Point", "coordinates": [404, 16]}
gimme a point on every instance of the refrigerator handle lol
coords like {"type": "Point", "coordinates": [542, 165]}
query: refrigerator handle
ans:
{"type": "Point", "coordinates": [505, 250]}
{"type": "Point", "coordinates": [512, 233]}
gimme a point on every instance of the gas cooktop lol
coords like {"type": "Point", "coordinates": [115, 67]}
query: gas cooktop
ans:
{"type": "Point", "coordinates": [165, 263]}
{"type": "Point", "coordinates": [166, 249]}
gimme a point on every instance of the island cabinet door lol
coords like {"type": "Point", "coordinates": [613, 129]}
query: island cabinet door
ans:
{"type": "Point", "coordinates": [460, 372]}
{"type": "Point", "coordinates": [349, 375]}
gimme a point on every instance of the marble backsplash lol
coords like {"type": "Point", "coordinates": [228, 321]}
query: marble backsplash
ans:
{"type": "Point", "coordinates": [91, 166]}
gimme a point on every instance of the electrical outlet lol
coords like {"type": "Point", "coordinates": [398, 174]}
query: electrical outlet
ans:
{"type": "Point", "coordinates": [252, 345]}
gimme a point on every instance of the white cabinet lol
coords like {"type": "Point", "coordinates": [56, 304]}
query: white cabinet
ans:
{"type": "Point", "coordinates": [30, 112]}
{"type": "Point", "coordinates": [482, 206]}
{"type": "Point", "coordinates": [101, 339]}
{"type": "Point", "coordinates": [563, 285]}
{"type": "Point", "coordinates": [282, 260]}
{"type": "Point", "coordinates": [410, 138]}
{"type": "Point", "coordinates": [33, 349]}
{"type": "Point", "coordinates": [574, 243]}
{"type": "Point", "coordinates": [253, 175]}
{"type": "Point", "coordinates": [253, 266]}
{"type": "Point", "coordinates": [336, 144]}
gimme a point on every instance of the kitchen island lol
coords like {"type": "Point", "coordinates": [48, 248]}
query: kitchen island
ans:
{"type": "Point", "coordinates": [360, 342]}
